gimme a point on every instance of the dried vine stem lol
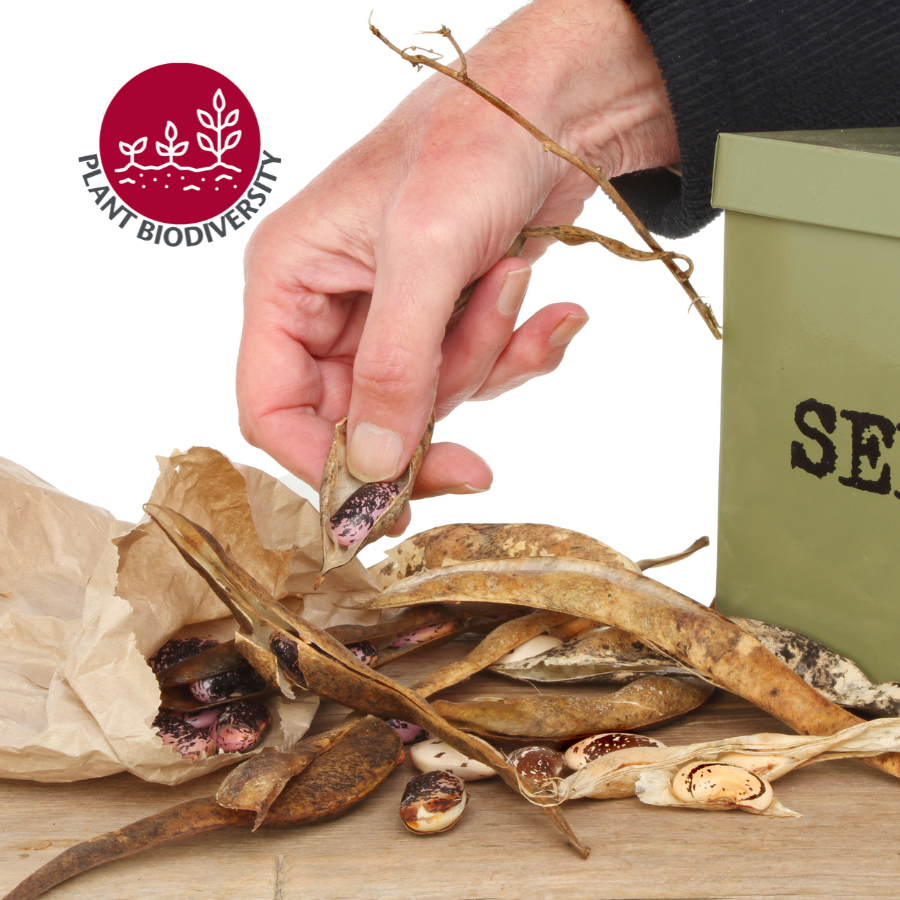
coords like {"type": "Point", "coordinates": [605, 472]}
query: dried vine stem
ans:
{"type": "Point", "coordinates": [418, 60]}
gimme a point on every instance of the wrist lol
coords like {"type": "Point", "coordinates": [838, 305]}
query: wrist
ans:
{"type": "Point", "coordinates": [584, 73]}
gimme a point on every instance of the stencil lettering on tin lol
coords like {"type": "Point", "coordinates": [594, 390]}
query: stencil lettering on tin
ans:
{"type": "Point", "coordinates": [869, 435]}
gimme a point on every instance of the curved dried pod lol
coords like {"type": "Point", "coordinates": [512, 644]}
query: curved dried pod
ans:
{"type": "Point", "coordinates": [339, 485]}
{"type": "Point", "coordinates": [281, 645]}
{"type": "Point", "coordinates": [837, 677]}
{"type": "Point", "coordinates": [505, 637]}
{"type": "Point", "coordinates": [770, 755]}
{"type": "Point", "coordinates": [433, 802]}
{"type": "Point", "coordinates": [449, 545]}
{"type": "Point", "coordinates": [607, 656]}
{"type": "Point", "coordinates": [330, 786]}
{"type": "Point", "coordinates": [613, 656]}
{"type": "Point", "coordinates": [701, 639]}
{"type": "Point", "coordinates": [643, 704]}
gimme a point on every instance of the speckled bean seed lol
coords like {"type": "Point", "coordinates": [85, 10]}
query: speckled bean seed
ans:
{"type": "Point", "coordinates": [537, 764]}
{"type": "Point", "coordinates": [591, 748]}
{"type": "Point", "coordinates": [241, 725]}
{"type": "Point", "coordinates": [365, 652]}
{"type": "Point", "coordinates": [433, 802]}
{"type": "Point", "coordinates": [425, 633]}
{"type": "Point", "coordinates": [228, 685]}
{"type": "Point", "coordinates": [177, 650]}
{"type": "Point", "coordinates": [408, 731]}
{"type": "Point", "coordinates": [187, 739]}
{"type": "Point", "coordinates": [361, 510]}
{"type": "Point", "coordinates": [435, 756]}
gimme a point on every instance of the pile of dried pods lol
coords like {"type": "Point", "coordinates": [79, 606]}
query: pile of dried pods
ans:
{"type": "Point", "coordinates": [512, 584]}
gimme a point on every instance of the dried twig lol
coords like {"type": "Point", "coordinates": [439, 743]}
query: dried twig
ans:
{"type": "Point", "coordinates": [418, 60]}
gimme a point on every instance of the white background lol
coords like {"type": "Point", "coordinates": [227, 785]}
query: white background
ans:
{"type": "Point", "coordinates": [115, 351]}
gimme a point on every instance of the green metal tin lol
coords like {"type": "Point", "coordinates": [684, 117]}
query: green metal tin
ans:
{"type": "Point", "coordinates": [809, 485]}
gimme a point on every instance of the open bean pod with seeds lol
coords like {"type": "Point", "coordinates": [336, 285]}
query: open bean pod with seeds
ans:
{"type": "Point", "coordinates": [355, 513]}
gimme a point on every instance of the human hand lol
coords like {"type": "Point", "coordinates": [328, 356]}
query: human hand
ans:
{"type": "Point", "coordinates": [350, 286]}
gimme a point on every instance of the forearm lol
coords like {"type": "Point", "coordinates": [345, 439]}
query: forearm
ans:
{"type": "Point", "coordinates": [763, 66]}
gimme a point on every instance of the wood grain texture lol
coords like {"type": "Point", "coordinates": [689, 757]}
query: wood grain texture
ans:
{"type": "Point", "coordinates": [502, 850]}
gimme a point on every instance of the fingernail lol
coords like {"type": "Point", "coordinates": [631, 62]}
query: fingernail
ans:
{"type": "Point", "coordinates": [512, 291]}
{"type": "Point", "coordinates": [567, 329]}
{"type": "Point", "coordinates": [374, 453]}
{"type": "Point", "coordinates": [464, 489]}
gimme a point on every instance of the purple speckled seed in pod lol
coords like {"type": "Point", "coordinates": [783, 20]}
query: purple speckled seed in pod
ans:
{"type": "Point", "coordinates": [203, 718]}
{"type": "Point", "coordinates": [177, 650]}
{"type": "Point", "coordinates": [361, 510]}
{"type": "Point", "coordinates": [425, 633]}
{"type": "Point", "coordinates": [365, 652]}
{"type": "Point", "coordinates": [241, 726]}
{"type": "Point", "coordinates": [409, 732]}
{"type": "Point", "coordinates": [228, 685]}
{"type": "Point", "coordinates": [188, 740]}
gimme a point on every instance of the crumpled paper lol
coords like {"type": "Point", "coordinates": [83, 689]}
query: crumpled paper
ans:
{"type": "Point", "coordinates": [86, 599]}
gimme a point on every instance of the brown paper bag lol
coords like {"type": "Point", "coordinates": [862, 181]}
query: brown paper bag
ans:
{"type": "Point", "coordinates": [85, 599]}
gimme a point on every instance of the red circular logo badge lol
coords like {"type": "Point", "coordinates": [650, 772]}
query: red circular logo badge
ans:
{"type": "Point", "coordinates": [180, 143]}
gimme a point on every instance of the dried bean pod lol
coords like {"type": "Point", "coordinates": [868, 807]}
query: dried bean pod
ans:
{"type": "Point", "coordinates": [450, 545]}
{"type": "Point", "coordinates": [433, 802]}
{"type": "Point", "coordinates": [187, 739]}
{"type": "Point", "coordinates": [228, 685]}
{"type": "Point", "coordinates": [177, 650]}
{"type": "Point", "coordinates": [241, 726]}
{"type": "Point", "coordinates": [339, 485]}
{"type": "Point", "coordinates": [650, 701]}
{"type": "Point", "coordinates": [361, 510]}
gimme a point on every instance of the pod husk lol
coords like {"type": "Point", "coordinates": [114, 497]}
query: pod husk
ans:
{"type": "Point", "coordinates": [501, 640]}
{"type": "Point", "coordinates": [644, 704]}
{"type": "Point", "coordinates": [450, 545]}
{"type": "Point", "coordinates": [714, 647]}
{"type": "Point", "coordinates": [338, 484]}
{"type": "Point", "coordinates": [255, 784]}
{"type": "Point", "coordinates": [654, 788]}
{"type": "Point", "coordinates": [609, 656]}
{"type": "Point", "coordinates": [214, 661]}
{"type": "Point", "coordinates": [331, 785]}
{"type": "Point", "coordinates": [837, 677]}
{"type": "Point", "coordinates": [318, 662]}
{"type": "Point", "coordinates": [615, 775]}
{"type": "Point", "coordinates": [613, 656]}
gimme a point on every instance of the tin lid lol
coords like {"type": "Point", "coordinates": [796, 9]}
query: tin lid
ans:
{"type": "Point", "coordinates": [846, 178]}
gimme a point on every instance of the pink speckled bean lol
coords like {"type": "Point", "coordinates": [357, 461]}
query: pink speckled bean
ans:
{"type": "Point", "coordinates": [409, 733]}
{"type": "Point", "coordinates": [365, 652]}
{"type": "Point", "coordinates": [187, 739]}
{"type": "Point", "coordinates": [425, 633]}
{"type": "Point", "coordinates": [361, 510]}
{"type": "Point", "coordinates": [241, 726]}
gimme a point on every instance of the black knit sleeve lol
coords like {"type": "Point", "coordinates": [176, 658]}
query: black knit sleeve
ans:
{"type": "Point", "coordinates": [760, 65]}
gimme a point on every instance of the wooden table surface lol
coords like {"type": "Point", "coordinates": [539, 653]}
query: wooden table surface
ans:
{"type": "Point", "coordinates": [844, 846]}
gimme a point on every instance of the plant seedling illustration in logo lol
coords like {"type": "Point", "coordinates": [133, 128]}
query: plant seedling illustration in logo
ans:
{"type": "Point", "coordinates": [180, 143]}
